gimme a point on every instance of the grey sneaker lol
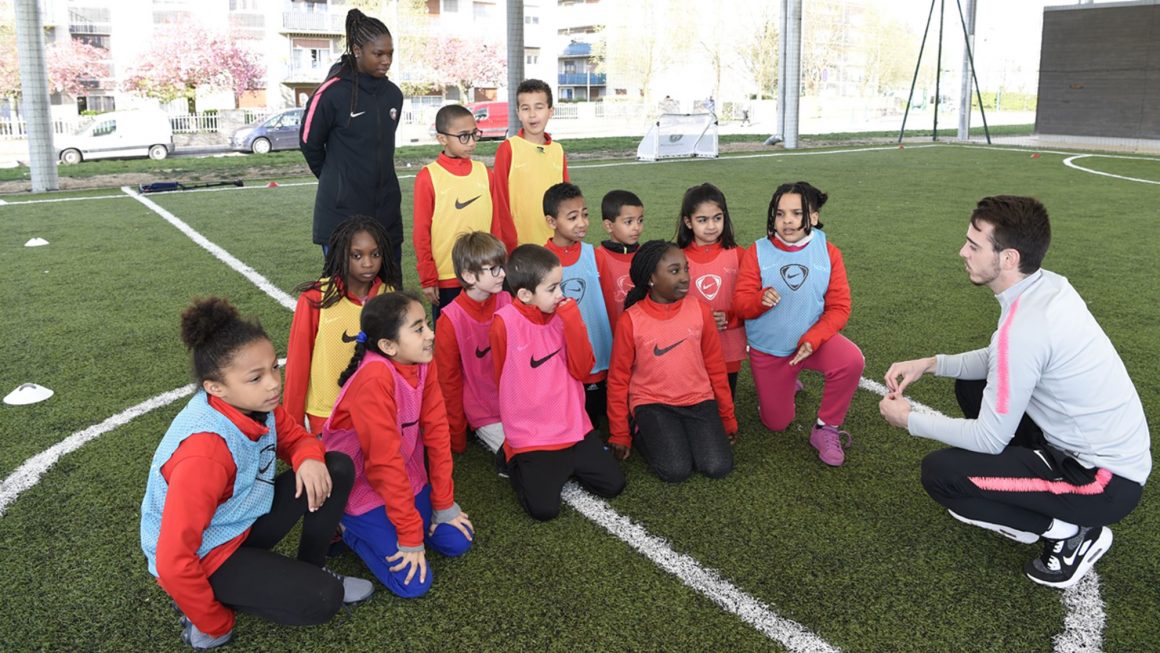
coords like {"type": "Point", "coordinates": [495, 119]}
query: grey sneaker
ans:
{"type": "Point", "coordinates": [354, 590]}
{"type": "Point", "coordinates": [1064, 562]}
{"type": "Point", "coordinates": [201, 641]}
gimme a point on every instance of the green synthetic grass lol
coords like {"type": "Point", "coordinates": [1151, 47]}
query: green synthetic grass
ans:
{"type": "Point", "coordinates": [859, 555]}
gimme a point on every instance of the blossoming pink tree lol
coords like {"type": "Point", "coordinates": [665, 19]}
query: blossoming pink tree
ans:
{"type": "Point", "coordinates": [465, 63]}
{"type": "Point", "coordinates": [183, 58]}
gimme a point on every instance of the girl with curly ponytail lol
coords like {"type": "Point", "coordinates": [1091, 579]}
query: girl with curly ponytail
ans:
{"type": "Point", "coordinates": [214, 506]}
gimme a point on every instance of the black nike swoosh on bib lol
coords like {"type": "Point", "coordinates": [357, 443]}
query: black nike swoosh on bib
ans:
{"type": "Point", "coordinates": [661, 351]}
{"type": "Point", "coordinates": [406, 424]}
{"type": "Point", "coordinates": [538, 362]}
{"type": "Point", "coordinates": [348, 338]}
{"type": "Point", "coordinates": [480, 353]}
{"type": "Point", "coordinates": [464, 205]}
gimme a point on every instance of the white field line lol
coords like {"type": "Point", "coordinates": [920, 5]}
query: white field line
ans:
{"type": "Point", "coordinates": [1024, 149]}
{"type": "Point", "coordinates": [1083, 624]}
{"type": "Point", "coordinates": [222, 255]}
{"type": "Point", "coordinates": [30, 472]}
{"type": "Point", "coordinates": [1070, 162]}
{"type": "Point", "coordinates": [707, 582]}
{"type": "Point", "coordinates": [62, 199]}
{"type": "Point", "coordinates": [765, 155]}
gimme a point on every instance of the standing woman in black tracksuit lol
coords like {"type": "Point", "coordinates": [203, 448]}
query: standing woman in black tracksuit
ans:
{"type": "Point", "coordinates": [348, 136]}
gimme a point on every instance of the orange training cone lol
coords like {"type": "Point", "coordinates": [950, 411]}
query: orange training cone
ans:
{"type": "Point", "coordinates": [1035, 155]}
{"type": "Point", "coordinates": [272, 184]}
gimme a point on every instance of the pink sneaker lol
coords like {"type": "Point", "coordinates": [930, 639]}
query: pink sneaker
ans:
{"type": "Point", "coordinates": [828, 441]}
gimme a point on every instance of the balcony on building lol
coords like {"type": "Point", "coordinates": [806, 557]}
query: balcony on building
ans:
{"type": "Point", "coordinates": [313, 17]}
{"type": "Point", "coordinates": [576, 76]}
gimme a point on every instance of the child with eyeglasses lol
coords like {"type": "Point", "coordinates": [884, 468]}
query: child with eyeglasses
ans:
{"type": "Point", "coordinates": [452, 196]}
{"type": "Point", "coordinates": [462, 351]}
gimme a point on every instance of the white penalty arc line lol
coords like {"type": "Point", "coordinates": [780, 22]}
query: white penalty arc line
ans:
{"type": "Point", "coordinates": [220, 254]}
{"type": "Point", "coordinates": [1070, 162]}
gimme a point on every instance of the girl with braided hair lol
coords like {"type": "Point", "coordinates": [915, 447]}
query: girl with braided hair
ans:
{"type": "Point", "coordinates": [668, 374]}
{"type": "Point", "coordinates": [348, 136]}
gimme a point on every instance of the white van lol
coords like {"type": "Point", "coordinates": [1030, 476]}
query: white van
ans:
{"type": "Point", "coordinates": [118, 134]}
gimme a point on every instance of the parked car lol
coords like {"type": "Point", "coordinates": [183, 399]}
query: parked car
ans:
{"type": "Point", "coordinates": [278, 132]}
{"type": "Point", "coordinates": [491, 118]}
{"type": "Point", "coordinates": [119, 134]}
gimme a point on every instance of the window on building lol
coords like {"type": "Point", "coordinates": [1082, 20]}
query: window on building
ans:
{"type": "Point", "coordinates": [531, 20]}
{"type": "Point", "coordinates": [245, 5]}
{"type": "Point", "coordinates": [531, 56]}
{"type": "Point", "coordinates": [97, 103]}
{"type": "Point", "coordinates": [482, 10]}
{"type": "Point", "coordinates": [451, 6]}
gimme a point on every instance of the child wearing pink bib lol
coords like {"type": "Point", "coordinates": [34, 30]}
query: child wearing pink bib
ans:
{"type": "Point", "coordinates": [667, 373]}
{"type": "Point", "coordinates": [389, 418]}
{"type": "Point", "coordinates": [705, 232]}
{"type": "Point", "coordinates": [462, 350]}
{"type": "Point", "coordinates": [541, 353]}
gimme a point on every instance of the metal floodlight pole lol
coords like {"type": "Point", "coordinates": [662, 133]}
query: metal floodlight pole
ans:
{"type": "Point", "coordinates": [971, 61]}
{"type": "Point", "coordinates": [965, 82]}
{"type": "Point", "coordinates": [783, 22]}
{"type": "Point", "coordinates": [917, 65]}
{"type": "Point", "coordinates": [515, 60]}
{"type": "Point", "coordinates": [36, 109]}
{"type": "Point", "coordinates": [793, 68]}
{"type": "Point", "coordinates": [938, 66]}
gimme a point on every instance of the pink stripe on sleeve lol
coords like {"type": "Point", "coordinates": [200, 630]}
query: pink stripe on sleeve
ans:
{"type": "Point", "coordinates": [1004, 385]}
{"type": "Point", "coordinates": [1024, 484]}
{"type": "Point", "coordinates": [313, 106]}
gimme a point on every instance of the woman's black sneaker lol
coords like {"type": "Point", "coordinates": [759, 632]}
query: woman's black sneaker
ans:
{"type": "Point", "coordinates": [1064, 562]}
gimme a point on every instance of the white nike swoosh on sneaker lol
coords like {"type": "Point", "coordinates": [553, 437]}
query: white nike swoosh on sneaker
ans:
{"type": "Point", "coordinates": [1082, 549]}
{"type": "Point", "coordinates": [356, 115]}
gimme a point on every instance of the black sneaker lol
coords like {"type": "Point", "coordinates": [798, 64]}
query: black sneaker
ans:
{"type": "Point", "coordinates": [1064, 562]}
{"type": "Point", "coordinates": [501, 464]}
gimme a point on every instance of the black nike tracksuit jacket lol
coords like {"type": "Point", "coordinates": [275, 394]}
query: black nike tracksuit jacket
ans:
{"type": "Point", "coordinates": [349, 144]}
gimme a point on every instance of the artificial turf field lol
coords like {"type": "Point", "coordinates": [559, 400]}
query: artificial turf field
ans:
{"type": "Point", "coordinates": [858, 557]}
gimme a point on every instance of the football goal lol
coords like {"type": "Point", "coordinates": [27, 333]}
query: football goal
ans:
{"type": "Point", "coordinates": [679, 135]}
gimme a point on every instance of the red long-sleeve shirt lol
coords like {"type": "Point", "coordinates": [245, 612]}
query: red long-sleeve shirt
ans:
{"type": "Point", "coordinates": [502, 170]}
{"type": "Point", "coordinates": [200, 475]}
{"type": "Point", "coordinates": [424, 213]}
{"type": "Point", "coordinates": [369, 408]}
{"type": "Point", "coordinates": [836, 313]}
{"type": "Point", "coordinates": [577, 349]}
{"type": "Point", "coordinates": [570, 255]}
{"type": "Point", "coordinates": [624, 357]}
{"type": "Point", "coordinates": [450, 368]}
{"type": "Point", "coordinates": [300, 348]}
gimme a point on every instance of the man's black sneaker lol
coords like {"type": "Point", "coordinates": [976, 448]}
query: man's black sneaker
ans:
{"type": "Point", "coordinates": [501, 464]}
{"type": "Point", "coordinates": [1064, 562]}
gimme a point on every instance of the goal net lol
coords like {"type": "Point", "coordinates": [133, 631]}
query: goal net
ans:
{"type": "Point", "coordinates": [679, 135]}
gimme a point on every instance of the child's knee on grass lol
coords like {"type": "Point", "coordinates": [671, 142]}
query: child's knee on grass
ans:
{"type": "Point", "coordinates": [449, 541]}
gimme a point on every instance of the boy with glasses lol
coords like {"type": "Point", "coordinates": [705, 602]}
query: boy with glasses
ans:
{"type": "Point", "coordinates": [462, 351]}
{"type": "Point", "coordinates": [452, 197]}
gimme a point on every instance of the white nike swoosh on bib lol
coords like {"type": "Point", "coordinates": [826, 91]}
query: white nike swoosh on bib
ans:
{"type": "Point", "coordinates": [356, 115]}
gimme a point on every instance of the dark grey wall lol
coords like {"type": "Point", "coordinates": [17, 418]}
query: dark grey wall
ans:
{"type": "Point", "coordinates": [1099, 71]}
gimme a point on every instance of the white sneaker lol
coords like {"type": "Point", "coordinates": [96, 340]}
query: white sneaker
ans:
{"type": "Point", "coordinates": [1022, 537]}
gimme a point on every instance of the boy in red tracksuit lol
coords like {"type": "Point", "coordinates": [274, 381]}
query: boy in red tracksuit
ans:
{"type": "Point", "coordinates": [462, 350]}
{"type": "Point", "coordinates": [541, 353]}
{"type": "Point", "coordinates": [453, 196]}
{"type": "Point", "coordinates": [623, 219]}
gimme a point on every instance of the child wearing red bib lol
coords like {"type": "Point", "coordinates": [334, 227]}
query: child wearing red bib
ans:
{"type": "Point", "coordinates": [541, 353]}
{"type": "Point", "coordinates": [705, 232]}
{"type": "Point", "coordinates": [389, 418]}
{"type": "Point", "coordinates": [623, 219]}
{"type": "Point", "coordinates": [463, 351]}
{"type": "Point", "coordinates": [326, 318]}
{"type": "Point", "coordinates": [453, 196]}
{"type": "Point", "coordinates": [668, 373]}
